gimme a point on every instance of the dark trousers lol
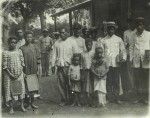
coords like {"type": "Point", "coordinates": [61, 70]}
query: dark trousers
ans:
{"type": "Point", "coordinates": [63, 83]}
{"type": "Point", "coordinates": [141, 83]}
{"type": "Point", "coordinates": [112, 84]}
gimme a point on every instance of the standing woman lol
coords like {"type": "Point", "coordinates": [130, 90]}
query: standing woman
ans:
{"type": "Point", "coordinates": [32, 61]}
{"type": "Point", "coordinates": [13, 63]}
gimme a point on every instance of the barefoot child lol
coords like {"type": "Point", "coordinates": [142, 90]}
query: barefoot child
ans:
{"type": "Point", "coordinates": [99, 70]}
{"type": "Point", "coordinates": [86, 82]}
{"type": "Point", "coordinates": [74, 78]}
{"type": "Point", "coordinates": [13, 63]}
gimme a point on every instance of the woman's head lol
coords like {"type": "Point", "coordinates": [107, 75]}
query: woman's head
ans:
{"type": "Point", "coordinates": [12, 41]}
{"type": "Point", "coordinates": [76, 59]}
{"type": "Point", "coordinates": [29, 37]}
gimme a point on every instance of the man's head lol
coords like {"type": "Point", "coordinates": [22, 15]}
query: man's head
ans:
{"type": "Point", "coordinates": [63, 34]}
{"type": "Point", "coordinates": [29, 37]}
{"type": "Point", "coordinates": [140, 25]}
{"type": "Point", "coordinates": [76, 29]}
{"type": "Point", "coordinates": [130, 23]}
{"type": "Point", "coordinates": [20, 34]}
{"type": "Point", "coordinates": [56, 35]}
{"type": "Point", "coordinates": [45, 32]}
{"type": "Point", "coordinates": [88, 44]}
{"type": "Point", "coordinates": [111, 28]}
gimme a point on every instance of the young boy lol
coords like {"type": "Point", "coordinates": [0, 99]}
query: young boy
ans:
{"type": "Point", "coordinates": [86, 59]}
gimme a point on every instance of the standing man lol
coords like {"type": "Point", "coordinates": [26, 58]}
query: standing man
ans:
{"type": "Point", "coordinates": [21, 40]}
{"type": "Point", "coordinates": [76, 37]}
{"type": "Point", "coordinates": [46, 47]}
{"type": "Point", "coordinates": [126, 71]}
{"type": "Point", "coordinates": [115, 50]}
{"type": "Point", "coordinates": [140, 58]}
{"type": "Point", "coordinates": [63, 51]}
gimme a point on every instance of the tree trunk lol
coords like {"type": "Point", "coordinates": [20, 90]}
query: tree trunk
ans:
{"type": "Point", "coordinates": [42, 20]}
{"type": "Point", "coordinates": [25, 24]}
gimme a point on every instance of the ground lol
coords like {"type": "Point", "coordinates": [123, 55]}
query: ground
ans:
{"type": "Point", "coordinates": [48, 106]}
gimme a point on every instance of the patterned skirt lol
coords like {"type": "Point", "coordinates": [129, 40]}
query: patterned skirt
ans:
{"type": "Point", "coordinates": [14, 88]}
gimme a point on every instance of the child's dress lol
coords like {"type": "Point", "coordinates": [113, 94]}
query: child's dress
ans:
{"type": "Point", "coordinates": [100, 82]}
{"type": "Point", "coordinates": [32, 59]}
{"type": "Point", "coordinates": [14, 62]}
{"type": "Point", "coordinates": [74, 76]}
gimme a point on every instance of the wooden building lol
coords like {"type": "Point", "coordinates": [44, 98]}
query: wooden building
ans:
{"type": "Point", "coordinates": [114, 10]}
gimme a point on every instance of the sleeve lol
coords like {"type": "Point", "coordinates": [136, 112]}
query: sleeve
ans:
{"type": "Point", "coordinates": [131, 48]}
{"type": "Point", "coordinates": [4, 60]}
{"type": "Point", "coordinates": [21, 58]}
{"type": "Point", "coordinates": [125, 38]}
{"type": "Point", "coordinates": [122, 49]}
{"type": "Point", "coordinates": [54, 52]}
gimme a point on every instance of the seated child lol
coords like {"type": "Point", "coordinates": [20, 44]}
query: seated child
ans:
{"type": "Point", "coordinates": [13, 63]}
{"type": "Point", "coordinates": [99, 70]}
{"type": "Point", "coordinates": [74, 78]}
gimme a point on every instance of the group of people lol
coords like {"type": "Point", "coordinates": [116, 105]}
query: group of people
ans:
{"type": "Point", "coordinates": [90, 71]}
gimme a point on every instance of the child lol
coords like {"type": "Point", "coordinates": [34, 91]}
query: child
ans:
{"type": "Point", "coordinates": [13, 63]}
{"type": "Point", "coordinates": [86, 59]}
{"type": "Point", "coordinates": [74, 78]}
{"type": "Point", "coordinates": [32, 62]}
{"type": "Point", "coordinates": [99, 70]}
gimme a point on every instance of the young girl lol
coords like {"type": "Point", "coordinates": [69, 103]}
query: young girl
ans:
{"type": "Point", "coordinates": [99, 70]}
{"type": "Point", "coordinates": [13, 63]}
{"type": "Point", "coordinates": [32, 61]}
{"type": "Point", "coordinates": [74, 78]}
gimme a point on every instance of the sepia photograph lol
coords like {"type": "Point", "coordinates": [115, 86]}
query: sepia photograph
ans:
{"type": "Point", "coordinates": [74, 58]}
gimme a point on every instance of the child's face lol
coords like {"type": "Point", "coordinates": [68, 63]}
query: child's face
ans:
{"type": "Point", "coordinates": [12, 44]}
{"type": "Point", "coordinates": [76, 60]}
{"type": "Point", "coordinates": [88, 46]}
{"type": "Point", "coordinates": [99, 53]}
{"type": "Point", "coordinates": [29, 38]}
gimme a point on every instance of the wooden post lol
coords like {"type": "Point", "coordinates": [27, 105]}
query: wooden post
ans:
{"type": "Point", "coordinates": [129, 8]}
{"type": "Point", "coordinates": [70, 22]}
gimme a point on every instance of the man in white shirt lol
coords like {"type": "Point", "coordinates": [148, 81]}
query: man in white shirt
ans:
{"type": "Point", "coordinates": [21, 40]}
{"type": "Point", "coordinates": [45, 43]}
{"type": "Point", "coordinates": [126, 70]}
{"type": "Point", "coordinates": [63, 51]}
{"type": "Point", "coordinates": [76, 37]}
{"type": "Point", "coordinates": [115, 50]}
{"type": "Point", "coordinates": [139, 54]}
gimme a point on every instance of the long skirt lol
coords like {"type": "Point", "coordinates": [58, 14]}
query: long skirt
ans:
{"type": "Point", "coordinates": [14, 88]}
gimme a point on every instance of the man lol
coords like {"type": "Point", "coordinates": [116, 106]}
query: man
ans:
{"type": "Point", "coordinates": [63, 51]}
{"type": "Point", "coordinates": [21, 40]}
{"type": "Point", "coordinates": [126, 71]}
{"type": "Point", "coordinates": [115, 50]}
{"type": "Point", "coordinates": [140, 60]}
{"type": "Point", "coordinates": [76, 37]}
{"type": "Point", "coordinates": [46, 47]}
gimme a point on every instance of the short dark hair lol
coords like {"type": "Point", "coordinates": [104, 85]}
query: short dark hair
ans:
{"type": "Point", "coordinates": [76, 55]}
{"type": "Point", "coordinates": [28, 32]}
{"type": "Point", "coordinates": [11, 38]}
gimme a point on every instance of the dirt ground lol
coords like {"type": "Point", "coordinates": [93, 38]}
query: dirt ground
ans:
{"type": "Point", "coordinates": [49, 108]}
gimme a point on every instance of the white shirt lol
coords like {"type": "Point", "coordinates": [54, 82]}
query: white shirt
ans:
{"type": "Point", "coordinates": [20, 43]}
{"type": "Point", "coordinates": [87, 59]}
{"type": "Point", "coordinates": [63, 52]}
{"type": "Point", "coordinates": [80, 43]}
{"type": "Point", "coordinates": [112, 47]}
{"type": "Point", "coordinates": [139, 45]}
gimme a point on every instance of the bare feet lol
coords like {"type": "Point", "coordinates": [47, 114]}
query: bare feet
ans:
{"type": "Point", "coordinates": [11, 111]}
{"type": "Point", "coordinates": [34, 106]}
